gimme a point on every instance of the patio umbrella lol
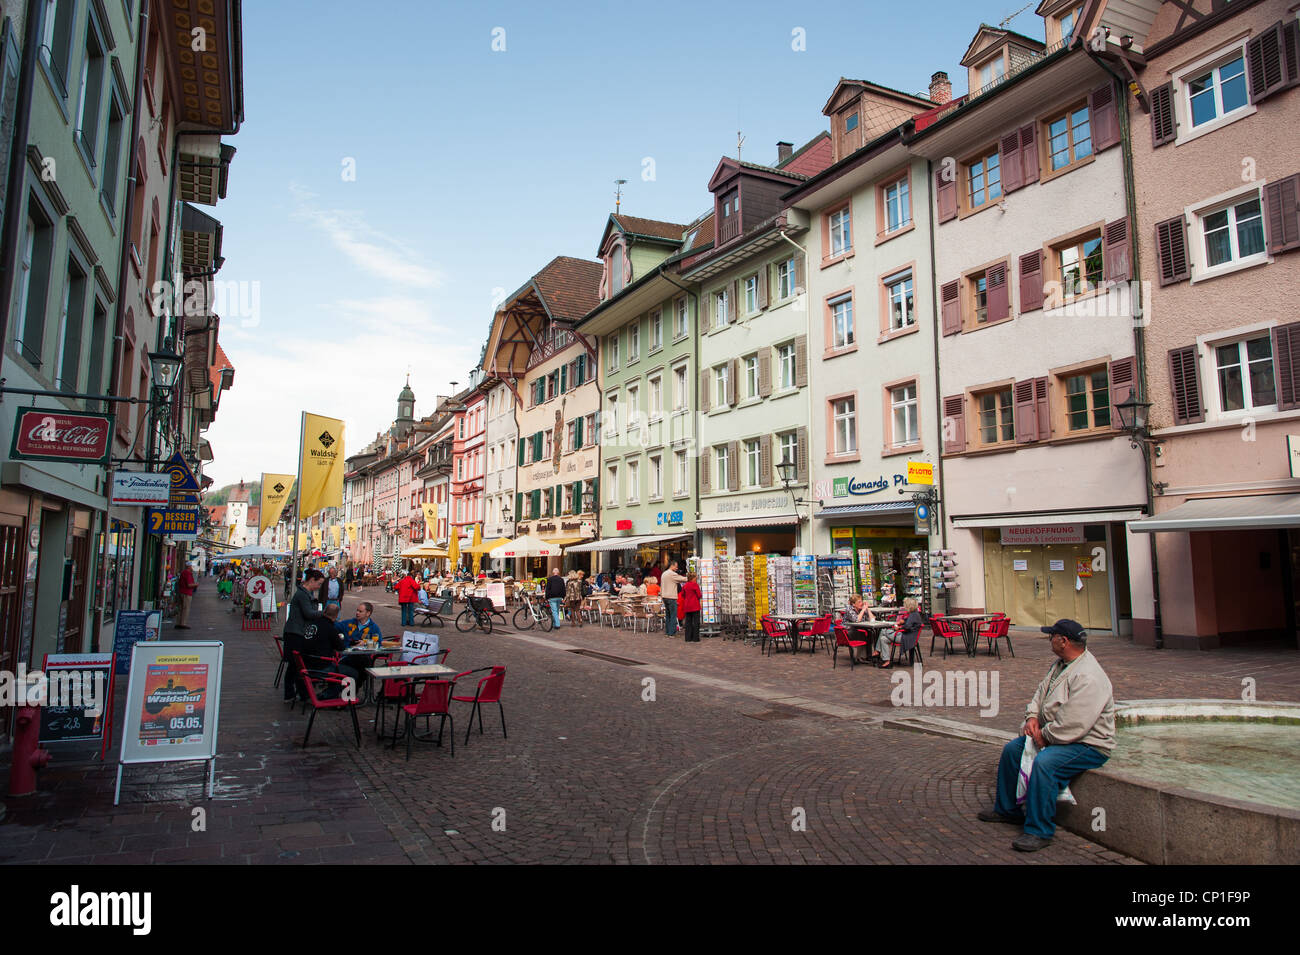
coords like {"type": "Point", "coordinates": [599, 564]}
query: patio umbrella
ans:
{"type": "Point", "coordinates": [486, 547]}
{"type": "Point", "coordinates": [453, 551]}
{"type": "Point", "coordinates": [526, 546]}
{"type": "Point", "coordinates": [425, 550]}
{"type": "Point", "coordinates": [478, 539]}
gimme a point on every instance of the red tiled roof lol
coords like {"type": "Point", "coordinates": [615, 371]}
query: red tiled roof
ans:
{"type": "Point", "coordinates": [570, 288]}
{"type": "Point", "coordinates": [214, 371]}
{"type": "Point", "coordinates": [652, 227]}
{"type": "Point", "coordinates": [812, 158]}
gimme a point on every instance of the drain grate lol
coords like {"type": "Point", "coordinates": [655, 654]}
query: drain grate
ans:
{"type": "Point", "coordinates": [608, 657]}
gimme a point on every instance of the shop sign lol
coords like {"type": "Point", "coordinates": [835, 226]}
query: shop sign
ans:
{"type": "Point", "coordinates": [1043, 534]}
{"type": "Point", "coordinates": [179, 523]}
{"type": "Point", "coordinates": [134, 488]}
{"type": "Point", "coordinates": [42, 434]}
{"type": "Point", "coordinates": [1293, 453]}
{"type": "Point", "coordinates": [720, 545]}
{"type": "Point", "coordinates": [920, 472]}
{"type": "Point", "coordinates": [670, 518]}
{"type": "Point", "coordinates": [921, 520]}
{"type": "Point", "coordinates": [623, 525]}
{"type": "Point", "coordinates": [778, 502]}
{"type": "Point", "coordinates": [185, 486]}
{"type": "Point", "coordinates": [847, 486]}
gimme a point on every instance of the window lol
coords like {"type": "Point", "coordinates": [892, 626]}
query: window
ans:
{"type": "Point", "coordinates": [722, 307]}
{"type": "Point", "coordinates": [680, 308]}
{"type": "Point", "coordinates": [539, 391]}
{"type": "Point", "coordinates": [984, 180]}
{"type": "Point", "coordinates": [903, 411]}
{"type": "Point", "coordinates": [898, 205]}
{"type": "Point", "coordinates": [1069, 20]}
{"type": "Point", "coordinates": [991, 72]}
{"type": "Point", "coordinates": [788, 447]}
{"type": "Point", "coordinates": [656, 329]}
{"type": "Point", "coordinates": [1218, 91]}
{"type": "Point", "coordinates": [656, 386]}
{"type": "Point", "coordinates": [680, 398]}
{"type": "Point", "coordinates": [611, 485]}
{"type": "Point", "coordinates": [611, 418]}
{"type": "Point", "coordinates": [616, 270]}
{"type": "Point", "coordinates": [899, 302]}
{"type": "Point", "coordinates": [656, 478]}
{"type": "Point", "coordinates": [753, 456]}
{"type": "Point", "coordinates": [71, 319]}
{"type": "Point", "coordinates": [113, 150]}
{"type": "Point", "coordinates": [846, 427]}
{"type": "Point", "coordinates": [785, 278]}
{"type": "Point", "coordinates": [841, 321]}
{"type": "Point", "coordinates": [90, 91]}
{"type": "Point", "coordinates": [33, 285]}
{"type": "Point", "coordinates": [751, 294]}
{"type": "Point", "coordinates": [611, 352]}
{"type": "Point", "coordinates": [841, 237]}
{"type": "Point", "coordinates": [552, 389]}
{"type": "Point", "coordinates": [785, 364]}
{"type": "Point", "coordinates": [573, 432]}
{"type": "Point", "coordinates": [681, 466]}
{"type": "Point", "coordinates": [633, 342]}
{"type": "Point", "coordinates": [1245, 375]}
{"type": "Point", "coordinates": [979, 288]}
{"type": "Point", "coordinates": [1080, 267]}
{"type": "Point", "coordinates": [633, 481]}
{"type": "Point", "coordinates": [751, 376]}
{"type": "Point", "coordinates": [1234, 233]}
{"type": "Point", "coordinates": [850, 122]}
{"type": "Point", "coordinates": [723, 479]}
{"type": "Point", "coordinates": [1087, 400]}
{"type": "Point", "coordinates": [589, 430]}
{"type": "Point", "coordinates": [546, 444]}
{"type": "Point", "coordinates": [56, 44]}
{"type": "Point", "coordinates": [633, 411]}
{"type": "Point", "coordinates": [1069, 138]}
{"type": "Point", "coordinates": [722, 383]}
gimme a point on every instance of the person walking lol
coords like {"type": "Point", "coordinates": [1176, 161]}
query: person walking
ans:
{"type": "Point", "coordinates": [332, 589]}
{"type": "Point", "coordinates": [556, 590]}
{"type": "Point", "coordinates": [573, 597]}
{"type": "Point", "coordinates": [347, 579]}
{"type": "Point", "coordinates": [668, 586]}
{"type": "Point", "coordinates": [185, 588]}
{"type": "Point", "coordinates": [689, 600]}
{"type": "Point", "coordinates": [302, 615]}
{"type": "Point", "coordinates": [407, 595]}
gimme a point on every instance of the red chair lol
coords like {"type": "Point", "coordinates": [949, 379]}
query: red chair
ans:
{"type": "Point", "coordinates": [392, 692]}
{"type": "Point", "coordinates": [896, 648]}
{"type": "Point", "coordinates": [435, 700]}
{"type": "Point", "coordinates": [774, 633]}
{"type": "Point", "coordinates": [487, 691]}
{"type": "Point", "coordinates": [284, 662]}
{"type": "Point", "coordinates": [994, 630]}
{"type": "Point", "coordinates": [820, 630]}
{"type": "Point", "coordinates": [944, 630]}
{"type": "Point", "coordinates": [309, 680]}
{"type": "Point", "coordinates": [842, 639]}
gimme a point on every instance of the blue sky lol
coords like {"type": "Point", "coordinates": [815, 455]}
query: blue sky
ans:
{"type": "Point", "coordinates": [474, 167]}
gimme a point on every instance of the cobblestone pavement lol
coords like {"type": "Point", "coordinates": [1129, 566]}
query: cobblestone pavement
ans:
{"type": "Point", "coordinates": [739, 758]}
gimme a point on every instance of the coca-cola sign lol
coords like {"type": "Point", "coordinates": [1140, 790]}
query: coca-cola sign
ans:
{"type": "Point", "coordinates": [44, 434]}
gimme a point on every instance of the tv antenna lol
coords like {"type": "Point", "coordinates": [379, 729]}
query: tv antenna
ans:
{"type": "Point", "coordinates": [1006, 21]}
{"type": "Point", "coordinates": [740, 141]}
{"type": "Point", "coordinates": [618, 193]}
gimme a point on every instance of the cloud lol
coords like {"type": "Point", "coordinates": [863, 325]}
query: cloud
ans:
{"type": "Point", "coordinates": [369, 249]}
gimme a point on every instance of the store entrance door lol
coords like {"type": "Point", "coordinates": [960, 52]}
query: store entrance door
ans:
{"type": "Point", "coordinates": [1040, 584]}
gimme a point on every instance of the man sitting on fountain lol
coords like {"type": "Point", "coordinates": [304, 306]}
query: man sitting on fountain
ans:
{"type": "Point", "coordinates": [1071, 723]}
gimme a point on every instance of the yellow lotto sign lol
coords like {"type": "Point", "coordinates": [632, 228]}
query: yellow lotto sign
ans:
{"type": "Point", "coordinates": [920, 472]}
{"type": "Point", "coordinates": [321, 463]}
{"type": "Point", "coordinates": [275, 491]}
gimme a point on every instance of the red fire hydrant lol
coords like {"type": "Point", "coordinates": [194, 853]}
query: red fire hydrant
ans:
{"type": "Point", "coordinates": [28, 754]}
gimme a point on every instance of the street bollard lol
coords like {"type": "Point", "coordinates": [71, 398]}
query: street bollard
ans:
{"type": "Point", "coordinates": [28, 754]}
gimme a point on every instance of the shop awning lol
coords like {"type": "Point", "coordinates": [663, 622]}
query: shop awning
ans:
{"type": "Point", "coordinates": [891, 509]}
{"type": "Point", "coordinates": [776, 520]}
{"type": "Point", "coordinates": [612, 543]}
{"type": "Point", "coordinates": [1226, 513]}
{"type": "Point", "coordinates": [664, 538]}
{"type": "Point", "coordinates": [564, 541]}
{"type": "Point", "coordinates": [1100, 516]}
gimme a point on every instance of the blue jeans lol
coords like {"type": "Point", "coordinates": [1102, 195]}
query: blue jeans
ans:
{"type": "Point", "coordinates": [408, 615]}
{"type": "Point", "coordinates": [1053, 770]}
{"type": "Point", "coordinates": [670, 617]}
{"type": "Point", "coordinates": [555, 603]}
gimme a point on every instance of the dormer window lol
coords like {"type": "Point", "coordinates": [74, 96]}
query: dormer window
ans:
{"type": "Point", "coordinates": [1070, 20]}
{"type": "Point", "coordinates": [616, 270]}
{"type": "Point", "coordinates": [729, 215]}
{"type": "Point", "coordinates": [851, 122]}
{"type": "Point", "coordinates": [992, 71]}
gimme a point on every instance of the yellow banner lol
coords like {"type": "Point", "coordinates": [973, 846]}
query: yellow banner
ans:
{"type": "Point", "coordinates": [352, 533]}
{"type": "Point", "coordinates": [302, 540]}
{"type": "Point", "coordinates": [275, 491]}
{"type": "Point", "coordinates": [430, 521]}
{"type": "Point", "coordinates": [334, 535]}
{"type": "Point", "coordinates": [230, 533]}
{"type": "Point", "coordinates": [321, 462]}
{"type": "Point", "coordinates": [316, 536]}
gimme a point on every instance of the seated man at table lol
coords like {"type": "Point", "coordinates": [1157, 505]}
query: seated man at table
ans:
{"type": "Point", "coordinates": [1071, 720]}
{"type": "Point", "coordinates": [321, 641]}
{"type": "Point", "coordinates": [361, 627]}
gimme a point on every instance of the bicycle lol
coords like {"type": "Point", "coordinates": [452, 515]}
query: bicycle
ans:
{"type": "Point", "coordinates": [534, 611]}
{"type": "Point", "coordinates": [477, 613]}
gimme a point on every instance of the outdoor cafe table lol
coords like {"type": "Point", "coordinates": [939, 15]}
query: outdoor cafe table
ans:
{"type": "Point", "coordinates": [417, 671]}
{"type": "Point", "coordinates": [967, 621]}
{"type": "Point", "coordinates": [875, 626]}
{"type": "Point", "coordinates": [792, 622]}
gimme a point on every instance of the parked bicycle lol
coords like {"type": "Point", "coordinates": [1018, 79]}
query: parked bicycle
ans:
{"type": "Point", "coordinates": [534, 611]}
{"type": "Point", "coordinates": [477, 613]}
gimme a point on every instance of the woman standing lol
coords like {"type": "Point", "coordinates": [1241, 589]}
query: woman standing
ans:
{"type": "Point", "coordinates": [688, 608]}
{"type": "Point", "coordinates": [573, 597]}
{"type": "Point", "coordinates": [302, 616]}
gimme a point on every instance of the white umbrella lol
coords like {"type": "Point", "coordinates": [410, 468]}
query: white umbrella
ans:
{"type": "Point", "coordinates": [526, 546]}
{"type": "Point", "coordinates": [255, 550]}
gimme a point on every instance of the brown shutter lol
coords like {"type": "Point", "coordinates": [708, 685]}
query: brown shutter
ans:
{"type": "Point", "coordinates": [999, 296]}
{"type": "Point", "coordinates": [704, 300]}
{"type": "Point", "coordinates": [1028, 154]}
{"type": "Point", "coordinates": [733, 375]}
{"type": "Point", "coordinates": [950, 294]}
{"type": "Point", "coordinates": [1026, 411]}
{"type": "Point", "coordinates": [765, 461]}
{"type": "Point", "coordinates": [1123, 384]}
{"type": "Point", "coordinates": [1040, 403]}
{"type": "Point", "coordinates": [762, 286]}
{"type": "Point", "coordinates": [704, 470]}
{"type": "Point", "coordinates": [1265, 64]}
{"type": "Point", "coordinates": [801, 361]}
{"type": "Point", "coordinates": [1104, 114]}
{"type": "Point", "coordinates": [1282, 214]}
{"type": "Point", "coordinates": [1115, 252]}
{"type": "Point", "coordinates": [800, 273]}
{"type": "Point", "coordinates": [1171, 250]}
{"type": "Point", "coordinates": [1291, 51]}
{"type": "Point", "coordinates": [945, 197]}
{"type": "Point", "coordinates": [733, 466]}
{"type": "Point", "coordinates": [1286, 366]}
{"type": "Point", "coordinates": [1164, 125]}
{"type": "Point", "coordinates": [1010, 162]}
{"type": "Point", "coordinates": [954, 424]}
{"type": "Point", "coordinates": [706, 388]}
{"type": "Point", "coordinates": [1031, 281]}
{"type": "Point", "coordinates": [1185, 379]}
{"type": "Point", "coordinates": [801, 454]}
{"type": "Point", "coordinates": [764, 372]}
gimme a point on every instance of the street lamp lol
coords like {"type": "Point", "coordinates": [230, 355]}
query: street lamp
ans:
{"type": "Point", "coordinates": [788, 471]}
{"type": "Point", "coordinates": [165, 366]}
{"type": "Point", "coordinates": [1133, 417]}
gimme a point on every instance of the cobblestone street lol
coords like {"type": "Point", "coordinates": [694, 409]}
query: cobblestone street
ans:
{"type": "Point", "coordinates": [739, 758]}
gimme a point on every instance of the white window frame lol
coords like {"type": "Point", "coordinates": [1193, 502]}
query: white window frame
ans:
{"type": "Point", "coordinates": [910, 407]}
{"type": "Point", "coordinates": [850, 338]}
{"type": "Point", "coordinates": [611, 483]}
{"type": "Point", "coordinates": [1196, 233]}
{"type": "Point", "coordinates": [681, 318]}
{"type": "Point", "coordinates": [751, 294]}
{"type": "Point", "coordinates": [655, 397]}
{"type": "Point", "coordinates": [721, 383]}
{"type": "Point", "coordinates": [722, 462]}
{"type": "Point", "coordinates": [785, 287]}
{"type": "Point", "coordinates": [751, 376]}
{"type": "Point", "coordinates": [891, 282]}
{"type": "Point", "coordinates": [787, 443]}
{"type": "Point", "coordinates": [849, 418]}
{"type": "Point", "coordinates": [633, 481]}
{"type": "Point", "coordinates": [681, 477]}
{"type": "Point", "coordinates": [1182, 95]}
{"type": "Point", "coordinates": [752, 450]}
{"type": "Point", "coordinates": [657, 329]}
{"type": "Point", "coordinates": [681, 388]}
{"type": "Point", "coordinates": [1209, 369]}
{"type": "Point", "coordinates": [841, 219]}
{"type": "Point", "coordinates": [634, 342]}
{"type": "Point", "coordinates": [722, 307]}
{"type": "Point", "coordinates": [785, 360]}
{"type": "Point", "coordinates": [904, 186]}
{"type": "Point", "coordinates": [656, 474]}
{"type": "Point", "coordinates": [611, 351]}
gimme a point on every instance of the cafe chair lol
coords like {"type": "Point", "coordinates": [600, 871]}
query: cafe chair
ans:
{"type": "Point", "coordinates": [941, 629]}
{"type": "Point", "coordinates": [842, 639]}
{"type": "Point", "coordinates": [896, 649]}
{"type": "Point", "coordinates": [435, 700]}
{"type": "Point", "coordinates": [487, 691]}
{"type": "Point", "coordinates": [774, 633]}
{"type": "Point", "coordinates": [391, 692]}
{"type": "Point", "coordinates": [310, 680]}
{"type": "Point", "coordinates": [820, 630]}
{"type": "Point", "coordinates": [994, 630]}
{"type": "Point", "coordinates": [284, 662]}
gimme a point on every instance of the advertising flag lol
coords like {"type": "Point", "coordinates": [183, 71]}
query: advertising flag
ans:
{"type": "Point", "coordinates": [302, 540]}
{"type": "Point", "coordinates": [275, 491]}
{"type": "Point", "coordinates": [352, 532]}
{"type": "Point", "coordinates": [334, 536]}
{"type": "Point", "coordinates": [430, 521]}
{"type": "Point", "coordinates": [316, 537]}
{"type": "Point", "coordinates": [321, 463]}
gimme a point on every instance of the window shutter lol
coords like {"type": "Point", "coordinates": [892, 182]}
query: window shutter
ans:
{"type": "Point", "coordinates": [1265, 63]}
{"type": "Point", "coordinates": [1012, 177]}
{"type": "Point", "coordinates": [519, 506]}
{"type": "Point", "coordinates": [800, 273]}
{"type": "Point", "coordinates": [1115, 252]}
{"type": "Point", "coordinates": [577, 433]}
{"type": "Point", "coordinates": [537, 503]}
{"type": "Point", "coordinates": [733, 372]}
{"type": "Point", "coordinates": [945, 197]}
{"type": "Point", "coordinates": [1040, 400]}
{"type": "Point", "coordinates": [564, 378]}
{"type": "Point", "coordinates": [1282, 214]}
{"type": "Point", "coordinates": [703, 301]}
{"type": "Point", "coordinates": [1291, 52]}
{"type": "Point", "coordinates": [1028, 154]}
{"type": "Point", "coordinates": [762, 287]}
{"type": "Point", "coordinates": [595, 492]}
{"type": "Point", "coordinates": [521, 452]}
{"type": "Point", "coordinates": [704, 470]}
{"type": "Point", "coordinates": [1026, 412]}
{"type": "Point", "coordinates": [950, 294]}
{"type": "Point", "coordinates": [801, 361]}
{"type": "Point", "coordinates": [733, 466]}
{"type": "Point", "coordinates": [1185, 379]}
{"type": "Point", "coordinates": [736, 310]}
{"type": "Point", "coordinates": [1164, 126]}
{"type": "Point", "coordinates": [765, 461]}
{"type": "Point", "coordinates": [705, 386]}
{"type": "Point", "coordinates": [801, 454]}
{"type": "Point", "coordinates": [1286, 365]}
{"type": "Point", "coordinates": [1171, 250]}
{"type": "Point", "coordinates": [764, 372]}
{"type": "Point", "coordinates": [1123, 384]}
{"type": "Point", "coordinates": [1031, 281]}
{"type": "Point", "coordinates": [1104, 114]}
{"type": "Point", "coordinates": [999, 297]}
{"type": "Point", "coordinates": [954, 424]}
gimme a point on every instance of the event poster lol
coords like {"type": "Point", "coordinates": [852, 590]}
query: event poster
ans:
{"type": "Point", "coordinates": [175, 697]}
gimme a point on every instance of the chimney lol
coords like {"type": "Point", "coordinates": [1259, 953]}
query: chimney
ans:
{"type": "Point", "coordinates": [783, 152]}
{"type": "Point", "coordinates": [940, 88]}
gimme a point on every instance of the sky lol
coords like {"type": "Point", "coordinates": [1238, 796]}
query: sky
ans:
{"type": "Point", "coordinates": [404, 165]}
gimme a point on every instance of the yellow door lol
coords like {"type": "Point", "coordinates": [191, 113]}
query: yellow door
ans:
{"type": "Point", "coordinates": [1092, 600]}
{"type": "Point", "coordinates": [1026, 585]}
{"type": "Point", "coordinates": [1059, 567]}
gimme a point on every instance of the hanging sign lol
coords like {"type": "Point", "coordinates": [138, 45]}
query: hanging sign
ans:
{"type": "Point", "coordinates": [134, 488]}
{"type": "Point", "coordinates": [185, 486]}
{"type": "Point", "coordinates": [179, 523]}
{"type": "Point", "coordinates": [43, 434]}
{"type": "Point", "coordinates": [920, 472]}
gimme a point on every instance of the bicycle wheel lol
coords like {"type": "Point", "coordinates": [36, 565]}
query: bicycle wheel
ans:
{"type": "Point", "coordinates": [523, 618]}
{"type": "Point", "coordinates": [465, 621]}
{"type": "Point", "coordinates": [547, 621]}
{"type": "Point", "coordinates": [485, 622]}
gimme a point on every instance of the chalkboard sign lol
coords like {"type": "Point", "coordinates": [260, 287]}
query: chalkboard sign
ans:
{"type": "Point", "coordinates": [132, 627]}
{"type": "Point", "coordinates": [78, 697]}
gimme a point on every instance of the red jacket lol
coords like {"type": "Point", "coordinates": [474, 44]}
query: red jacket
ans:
{"type": "Point", "coordinates": [407, 590]}
{"type": "Point", "coordinates": [688, 599]}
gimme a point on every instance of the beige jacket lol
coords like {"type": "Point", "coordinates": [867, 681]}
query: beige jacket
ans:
{"type": "Point", "coordinates": [1080, 708]}
{"type": "Point", "coordinates": [669, 583]}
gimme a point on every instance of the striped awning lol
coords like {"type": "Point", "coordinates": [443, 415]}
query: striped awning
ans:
{"type": "Point", "coordinates": [897, 509]}
{"type": "Point", "coordinates": [776, 520]}
{"type": "Point", "coordinates": [610, 543]}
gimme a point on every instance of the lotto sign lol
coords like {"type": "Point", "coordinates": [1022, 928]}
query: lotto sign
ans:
{"type": "Point", "coordinates": [42, 434]}
{"type": "Point", "coordinates": [920, 472]}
